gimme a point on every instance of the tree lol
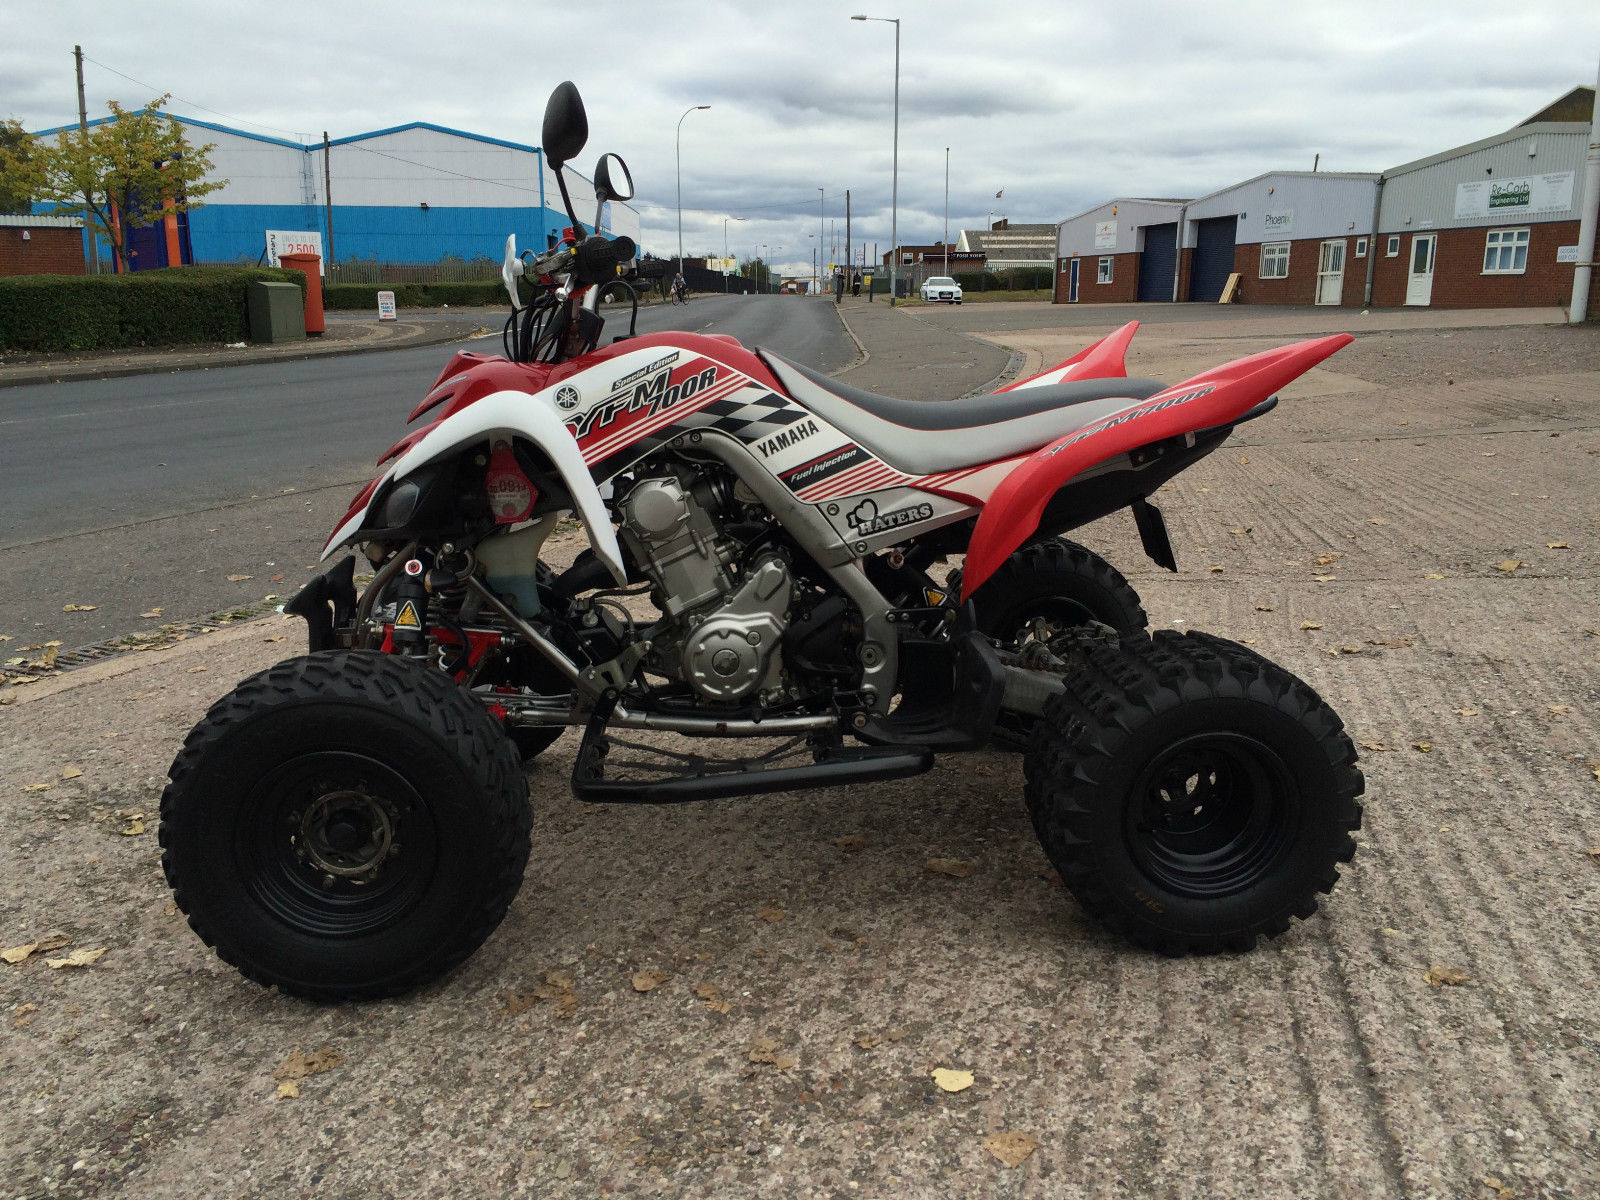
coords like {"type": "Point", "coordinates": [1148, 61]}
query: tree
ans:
{"type": "Point", "coordinates": [129, 172]}
{"type": "Point", "coordinates": [21, 176]}
{"type": "Point", "coordinates": [754, 268]}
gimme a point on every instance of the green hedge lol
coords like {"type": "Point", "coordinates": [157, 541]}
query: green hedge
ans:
{"type": "Point", "coordinates": [347, 296]}
{"type": "Point", "coordinates": [169, 307]}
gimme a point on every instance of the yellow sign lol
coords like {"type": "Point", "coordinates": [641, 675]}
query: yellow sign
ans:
{"type": "Point", "coordinates": [408, 618]}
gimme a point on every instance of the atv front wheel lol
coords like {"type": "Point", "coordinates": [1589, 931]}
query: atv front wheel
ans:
{"type": "Point", "coordinates": [1191, 794]}
{"type": "Point", "coordinates": [345, 825]}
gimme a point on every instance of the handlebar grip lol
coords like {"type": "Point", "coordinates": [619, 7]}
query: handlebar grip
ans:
{"type": "Point", "coordinates": [598, 257]}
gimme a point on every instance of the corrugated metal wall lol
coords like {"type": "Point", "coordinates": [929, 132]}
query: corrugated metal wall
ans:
{"type": "Point", "coordinates": [1076, 235]}
{"type": "Point", "coordinates": [1423, 195]}
{"type": "Point", "coordinates": [1317, 205]}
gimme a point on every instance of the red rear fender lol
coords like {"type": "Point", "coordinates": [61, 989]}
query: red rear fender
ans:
{"type": "Point", "coordinates": [1105, 359]}
{"type": "Point", "coordinates": [1216, 397]}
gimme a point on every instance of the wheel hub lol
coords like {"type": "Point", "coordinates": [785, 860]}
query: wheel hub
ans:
{"type": "Point", "coordinates": [346, 833]}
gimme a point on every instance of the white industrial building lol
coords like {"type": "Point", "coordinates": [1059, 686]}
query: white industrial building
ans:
{"type": "Point", "coordinates": [1122, 250]}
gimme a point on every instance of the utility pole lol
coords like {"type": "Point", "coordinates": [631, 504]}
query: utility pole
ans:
{"type": "Point", "coordinates": [92, 250]}
{"type": "Point", "coordinates": [947, 210]}
{"type": "Point", "coordinates": [327, 194]}
{"type": "Point", "coordinates": [1583, 273]}
{"type": "Point", "coordinates": [849, 254]}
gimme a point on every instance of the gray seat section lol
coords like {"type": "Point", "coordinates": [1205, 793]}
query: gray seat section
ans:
{"type": "Point", "coordinates": [923, 437]}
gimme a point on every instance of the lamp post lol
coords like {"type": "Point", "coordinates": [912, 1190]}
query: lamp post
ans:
{"type": "Point", "coordinates": [725, 221]}
{"type": "Point", "coordinates": [687, 111]}
{"type": "Point", "coordinates": [947, 210]}
{"type": "Point", "coordinates": [822, 228]}
{"type": "Point", "coordinates": [894, 195]}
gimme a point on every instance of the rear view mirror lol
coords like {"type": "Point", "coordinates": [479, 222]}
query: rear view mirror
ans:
{"type": "Point", "coordinates": [566, 125]}
{"type": "Point", "coordinates": [612, 180]}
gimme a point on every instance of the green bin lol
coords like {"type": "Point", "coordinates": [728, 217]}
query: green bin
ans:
{"type": "Point", "coordinates": [277, 312]}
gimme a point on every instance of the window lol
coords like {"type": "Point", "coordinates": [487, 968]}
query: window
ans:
{"type": "Point", "coordinates": [1505, 252]}
{"type": "Point", "coordinates": [1394, 246]}
{"type": "Point", "coordinates": [1275, 260]}
{"type": "Point", "coordinates": [1361, 247]}
{"type": "Point", "coordinates": [1105, 270]}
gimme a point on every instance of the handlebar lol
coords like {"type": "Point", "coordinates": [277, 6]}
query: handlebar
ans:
{"type": "Point", "coordinates": [598, 258]}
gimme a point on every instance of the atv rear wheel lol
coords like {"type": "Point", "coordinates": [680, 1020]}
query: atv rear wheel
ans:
{"type": "Point", "coordinates": [1191, 794]}
{"type": "Point", "coordinates": [345, 825]}
{"type": "Point", "coordinates": [1051, 586]}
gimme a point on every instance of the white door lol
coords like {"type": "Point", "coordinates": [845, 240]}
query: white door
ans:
{"type": "Point", "coordinates": [1330, 272]}
{"type": "Point", "coordinates": [1419, 284]}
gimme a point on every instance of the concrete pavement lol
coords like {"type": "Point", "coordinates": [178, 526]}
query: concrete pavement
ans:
{"type": "Point", "coordinates": [1415, 531]}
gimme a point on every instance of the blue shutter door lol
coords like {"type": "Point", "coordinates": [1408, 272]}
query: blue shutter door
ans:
{"type": "Point", "coordinates": [1157, 261]}
{"type": "Point", "coordinates": [1213, 257]}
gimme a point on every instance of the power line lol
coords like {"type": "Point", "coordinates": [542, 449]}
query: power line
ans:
{"type": "Point", "coordinates": [191, 104]}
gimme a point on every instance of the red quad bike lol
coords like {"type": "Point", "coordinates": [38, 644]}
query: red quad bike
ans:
{"type": "Point", "coordinates": [355, 821]}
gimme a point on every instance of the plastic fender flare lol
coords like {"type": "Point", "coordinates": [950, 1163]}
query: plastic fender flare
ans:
{"type": "Point", "coordinates": [517, 414]}
{"type": "Point", "coordinates": [1216, 397]}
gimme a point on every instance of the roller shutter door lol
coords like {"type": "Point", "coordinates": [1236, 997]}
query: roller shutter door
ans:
{"type": "Point", "coordinates": [1213, 257]}
{"type": "Point", "coordinates": [1156, 263]}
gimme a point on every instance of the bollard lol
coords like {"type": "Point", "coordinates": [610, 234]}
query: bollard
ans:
{"type": "Point", "coordinates": [311, 266]}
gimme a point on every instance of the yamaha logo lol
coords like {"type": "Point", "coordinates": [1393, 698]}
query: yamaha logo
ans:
{"type": "Point", "coordinates": [567, 397]}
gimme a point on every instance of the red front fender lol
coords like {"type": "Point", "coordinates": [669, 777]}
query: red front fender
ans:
{"type": "Point", "coordinates": [1216, 397]}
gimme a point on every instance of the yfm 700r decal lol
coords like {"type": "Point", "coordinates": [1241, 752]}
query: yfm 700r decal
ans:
{"type": "Point", "coordinates": [655, 392]}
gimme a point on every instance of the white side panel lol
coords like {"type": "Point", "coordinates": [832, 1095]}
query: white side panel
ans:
{"type": "Point", "coordinates": [533, 417]}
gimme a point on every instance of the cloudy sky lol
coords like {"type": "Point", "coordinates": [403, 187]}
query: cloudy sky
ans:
{"type": "Point", "coordinates": [1061, 104]}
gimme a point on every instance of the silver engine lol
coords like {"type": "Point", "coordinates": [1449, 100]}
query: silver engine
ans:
{"type": "Point", "coordinates": [721, 629]}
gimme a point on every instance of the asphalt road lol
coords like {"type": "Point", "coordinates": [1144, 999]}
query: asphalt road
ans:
{"type": "Point", "coordinates": [149, 492]}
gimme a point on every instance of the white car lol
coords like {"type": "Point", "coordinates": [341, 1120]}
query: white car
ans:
{"type": "Point", "coordinates": [941, 287]}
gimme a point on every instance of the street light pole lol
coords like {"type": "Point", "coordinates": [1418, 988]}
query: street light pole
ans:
{"type": "Point", "coordinates": [822, 228]}
{"type": "Point", "coordinates": [947, 210]}
{"type": "Point", "coordinates": [695, 108]}
{"type": "Point", "coordinates": [894, 194]}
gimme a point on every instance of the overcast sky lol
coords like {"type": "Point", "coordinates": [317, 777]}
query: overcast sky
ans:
{"type": "Point", "coordinates": [1062, 105]}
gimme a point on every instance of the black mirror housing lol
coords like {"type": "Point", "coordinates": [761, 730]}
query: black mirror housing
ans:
{"type": "Point", "coordinates": [566, 125]}
{"type": "Point", "coordinates": [612, 179]}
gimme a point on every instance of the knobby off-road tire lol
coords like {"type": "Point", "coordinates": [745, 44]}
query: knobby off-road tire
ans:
{"type": "Point", "coordinates": [345, 825]}
{"type": "Point", "coordinates": [1061, 582]}
{"type": "Point", "coordinates": [1191, 794]}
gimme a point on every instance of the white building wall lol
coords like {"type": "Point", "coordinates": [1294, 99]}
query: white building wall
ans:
{"type": "Point", "coordinates": [426, 166]}
{"type": "Point", "coordinates": [1077, 235]}
{"type": "Point", "coordinates": [1423, 194]}
{"type": "Point", "coordinates": [1314, 205]}
{"type": "Point", "coordinates": [257, 171]}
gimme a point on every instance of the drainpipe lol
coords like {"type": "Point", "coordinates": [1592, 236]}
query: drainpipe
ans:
{"type": "Point", "coordinates": [1372, 244]}
{"type": "Point", "coordinates": [1591, 212]}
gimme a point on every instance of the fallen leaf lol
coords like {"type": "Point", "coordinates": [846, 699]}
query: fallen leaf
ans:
{"type": "Point", "coordinates": [952, 1081]}
{"type": "Point", "coordinates": [79, 607]}
{"type": "Point", "coordinates": [954, 867]}
{"type": "Point", "coordinates": [1433, 575]}
{"type": "Point", "coordinates": [288, 1090]}
{"type": "Point", "coordinates": [278, 578]}
{"type": "Point", "coordinates": [867, 1041]}
{"type": "Point", "coordinates": [1557, 546]}
{"type": "Point", "coordinates": [1488, 453]}
{"type": "Point", "coordinates": [1501, 1191]}
{"type": "Point", "coordinates": [1443, 976]}
{"type": "Point", "coordinates": [1425, 747]}
{"type": "Point", "coordinates": [22, 1014]}
{"type": "Point", "coordinates": [1466, 712]}
{"type": "Point", "coordinates": [35, 787]}
{"type": "Point", "coordinates": [1244, 460]}
{"type": "Point", "coordinates": [1240, 529]}
{"type": "Point", "coordinates": [277, 638]}
{"type": "Point", "coordinates": [6, 637]}
{"type": "Point", "coordinates": [1263, 608]}
{"type": "Point", "coordinates": [78, 958]}
{"type": "Point", "coordinates": [299, 1064]}
{"type": "Point", "coordinates": [133, 828]}
{"type": "Point", "coordinates": [237, 578]}
{"type": "Point", "coordinates": [1310, 624]}
{"type": "Point", "coordinates": [1215, 570]}
{"type": "Point", "coordinates": [1324, 578]}
{"type": "Point", "coordinates": [771, 914]}
{"type": "Point", "coordinates": [1011, 1148]}
{"type": "Point", "coordinates": [1508, 566]}
{"type": "Point", "coordinates": [1334, 556]}
{"type": "Point", "coordinates": [1559, 710]}
{"type": "Point", "coordinates": [765, 1050]}
{"type": "Point", "coordinates": [1594, 853]}
{"type": "Point", "coordinates": [542, 1104]}
{"type": "Point", "coordinates": [19, 954]}
{"type": "Point", "coordinates": [194, 670]}
{"type": "Point", "coordinates": [154, 612]}
{"type": "Point", "coordinates": [70, 772]}
{"type": "Point", "coordinates": [850, 843]}
{"type": "Point", "coordinates": [1349, 649]}
{"type": "Point", "coordinates": [649, 981]}
{"type": "Point", "coordinates": [1374, 746]}
{"type": "Point", "coordinates": [1390, 932]}
{"type": "Point", "coordinates": [707, 991]}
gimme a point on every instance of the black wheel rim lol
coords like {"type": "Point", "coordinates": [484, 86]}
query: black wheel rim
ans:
{"type": "Point", "coordinates": [1045, 618]}
{"type": "Point", "coordinates": [336, 845]}
{"type": "Point", "coordinates": [1212, 815]}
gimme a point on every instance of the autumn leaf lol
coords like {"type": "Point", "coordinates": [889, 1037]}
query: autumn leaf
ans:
{"type": "Point", "coordinates": [1263, 608]}
{"type": "Point", "coordinates": [78, 958]}
{"type": "Point", "coordinates": [712, 995]}
{"type": "Point", "coordinates": [954, 867]}
{"type": "Point", "coordinates": [35, 787]}
{"type": "Point", "coordinates": [766, 1051]}
{"type": "Point", "coordinates": [850, 843]}
{"type": "Point", "coordinates": [1349, 649]}
{"type": "Point", "coordinates": [17, 954]}
{"type": "Point", "coordinates": [79, 607]}
{"type": "Point", "coordinates": [1557, 546]}
{"type": "Point", "coordinates": [1011, 1148]}
{"type": "Point", "coordinates": [288, 1090]}
{"type": "Point", "coordinates": [1310, 624]}
{"type": "Point", "coordinates": [133, 828]}
{"type": "Point", "coordinates": [950, 1080]}
{"type": "Point", "coordinates": [1559, 710]}
{"type": "Point", "coordinates": [1433, 575]}
{"type": "Point", "coordinates": [237, 578]}
{"type": "Point", "coordinates": [195, 671]}
{"type": "Point", "coordinates": [1333, 556]}
{"type": "Point", "coordinates": [1466, 712]}
{"type": "Point", "coordinates": [649, 981]}
{"type": "Point", "coordinates": [867, 1041]}
{"type": "Point", "coordinates": [70, 772]}
{"type": "Point", "coordinates": [1425, 747]}
{"type": "Point", "coordinates": [1240, 529]}
{"type": "Point", "coordinates": [1374, 746]}
{"type": "Point", "coordinates": [1216, 570]}
{"type": "Point", "coordinates": [771, 914]}
{"type": "Point", "coordinates": [1508, 566]}
{"type": "Point", "coordinates": [1376, 521]}
{"type": "Point", "coordinates": [299, 1065]}
{"type": "Point", "coordinates": [1446, 976]}
{"type": "Point", "coordinates": [154, 612]}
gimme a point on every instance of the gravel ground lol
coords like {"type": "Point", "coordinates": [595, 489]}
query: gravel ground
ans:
{"type": "Point", "coordinates": [818, 971]}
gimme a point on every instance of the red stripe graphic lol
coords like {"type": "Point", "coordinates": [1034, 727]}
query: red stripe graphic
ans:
{"type": "Point", "coordinates": [616, 441]}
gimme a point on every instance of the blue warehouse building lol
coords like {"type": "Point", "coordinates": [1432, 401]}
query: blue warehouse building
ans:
{"type": "Point", "coordinates": [408, 194]}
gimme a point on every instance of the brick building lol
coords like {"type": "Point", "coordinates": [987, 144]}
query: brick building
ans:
{"type": "Point", "coordinates": [1123, 250]}
{"type": "Point", "coordinates": [43, 245]}
{"type": "Point", "coordinates": [1490, 224]}
{"type": "Point", "coordinates": [1292, 237]}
